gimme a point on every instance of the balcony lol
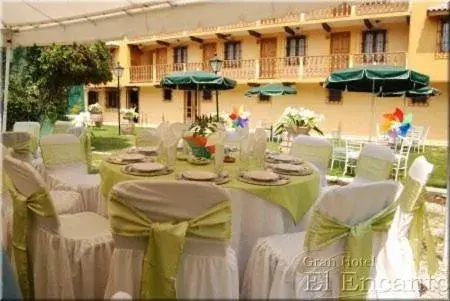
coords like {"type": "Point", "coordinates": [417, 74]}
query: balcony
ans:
{"type": "Point", "coordinates": [361, 9]}
{"type": "Point", "coordinates": [286, 68]}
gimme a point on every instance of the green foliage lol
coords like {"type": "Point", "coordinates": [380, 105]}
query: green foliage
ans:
{"type": "Point", "coordinates": [41, 77]}
{"type": "Point", "coordinates": [204, 124]}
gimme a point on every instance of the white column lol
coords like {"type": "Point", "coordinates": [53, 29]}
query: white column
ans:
{"type": "Point", "coordinates": [86, 97]}
{"type": "Point", "coordinates": [6, 92]}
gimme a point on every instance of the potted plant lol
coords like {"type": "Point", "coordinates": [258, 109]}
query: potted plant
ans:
{"type": "Point", "coordinates": [298, 121]}
{"type": "Point", "coordinates": [129, 115]}
{"type": "Point", "coordinates": [96, 114]}
{"type": "Point", "coordinates": [198, 133]}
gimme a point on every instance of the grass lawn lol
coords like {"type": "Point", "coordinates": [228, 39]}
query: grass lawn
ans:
{"type": "Point", "coordinates": [106, 141]}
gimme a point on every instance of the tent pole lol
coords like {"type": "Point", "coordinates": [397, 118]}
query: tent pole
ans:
{"type": "Point", "coordinates": [6, 91]}
{"type": "Point", "coordinates": [372, 116]}
{"type": "Point", "coordinates": [1, 81]}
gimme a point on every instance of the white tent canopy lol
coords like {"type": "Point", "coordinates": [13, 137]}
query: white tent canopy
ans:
{"type": "Point", "coordinates": [64, 22]}
{"type": "Point", "coordinates": [33, 22]}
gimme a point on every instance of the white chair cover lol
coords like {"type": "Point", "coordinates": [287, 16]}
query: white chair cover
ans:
{"type": "Point", "coordinates": [374, 164]}
{"type": "Point", "coordinates": [401, 259]}
{"type": "Point", "coordinates": [278, 268]}
{"type": "Point", "coordinates": [70, 253]}
{"type": "Point", "coordinates": [61, 126]}
{"type": "Point", "coordinates": [14, 140]}
{"type": "Point", "coordinates": [76, 130]}
{"type": "Point", "coordinates": [316, 150]}
{"type": "Point", "coordinates": [208, 268]}
{"type": "Point", "coordinates": [66, 169]}
{"type": "Point", "coordinates": [31, 127]}
{"type": "Point", "coordinates": [147, 137]}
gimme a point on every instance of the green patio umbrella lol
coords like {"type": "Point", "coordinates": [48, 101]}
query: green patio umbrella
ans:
{"type": "Point", "coordinates": [426, 91]}
{"type": "Point", "coordinates": [198, 80]}
{"type": "Point", "coordinates": [271, 90]}
{"type": "Point", "coordinates": [376, 79]}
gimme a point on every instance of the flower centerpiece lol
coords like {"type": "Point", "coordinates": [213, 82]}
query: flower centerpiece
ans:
{"type": "Point", "coordinates": [298, 121]}
{"type": "Point", "coordinates": [129, 115]}
{"type": "Point", "coordinates": [198, 133]}
{"type": "Point", "coordinates": [95, 111]}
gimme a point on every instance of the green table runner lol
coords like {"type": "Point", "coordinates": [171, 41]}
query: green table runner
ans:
{"type": "Point", "coordinates": [296, 197]}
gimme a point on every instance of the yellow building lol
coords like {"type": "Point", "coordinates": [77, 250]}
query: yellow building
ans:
{"type": "Point", "coordinates": [300, 49]}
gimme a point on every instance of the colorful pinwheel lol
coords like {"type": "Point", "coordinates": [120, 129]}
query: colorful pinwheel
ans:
{"type": "Point", "coordinates": [239, 117]}
{"type": "Point", "coordinates": [397, 124]}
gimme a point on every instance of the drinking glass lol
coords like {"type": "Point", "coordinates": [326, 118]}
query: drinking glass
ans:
{"type": "Point", "coordinates": [218, 159]}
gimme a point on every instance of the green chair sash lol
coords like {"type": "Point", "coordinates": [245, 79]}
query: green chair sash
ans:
{"type": "Point", "coordinates": [374, 169]}
{"type": "Point", "coordinates": [85, 140]}
{"type": "Point", "coordinates": [165, 241]}
{"type": "Point", "coordinates": [412, 200]}
{"type": "Point", "coordinates": [23, 148]}
{"type": "Point", "coordinates": [40, 203]}
{"type": "Point", "coordinates": [55, 154]}
{"type": "Point", "coordinates": [325, 230]}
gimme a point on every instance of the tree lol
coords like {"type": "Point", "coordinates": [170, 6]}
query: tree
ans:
{"type": "Point", "coordinates": [41, 77]}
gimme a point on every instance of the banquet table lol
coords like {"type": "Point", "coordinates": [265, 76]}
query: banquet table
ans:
{"type": "Point", "coordinates": [257, 211]}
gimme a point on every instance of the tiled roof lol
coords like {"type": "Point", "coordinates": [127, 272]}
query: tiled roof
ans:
{"type": "Point", "coordinates": [445, 6]}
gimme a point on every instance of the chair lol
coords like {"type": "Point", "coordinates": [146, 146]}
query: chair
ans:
{"type": "Point", "coordinates": [374, 164]}
{"type": "Point", "coordinates": [415, 135]}
{"type": "Point", "coordinates": [20, 143]}
{"type": "Point", "coordinates": [66, 168]}
{"type": "Point", "coordinates": [65, 202]}
{"type": "Point", "coordinates": [62, 126]}
{"type": "Point", "coordinates": [76, 130]}
{"type": "Point", "coordinates": [423, 139]}
{"type": "Point", "coordinates": [147, 137]}
{"type": "Point", "coordinates": [286, 141]}
{"type": "Point", "coordinates": [405, 242]}
{"type": "Point", "coordinates": [315, 150]}
{"type": "Point", "coordinates": [338, 153]}
{"type": "Point", "coordinates": [207, 267]}
{"type": "Point", "coordinates": [69, 253]}
{"type": "Point", "coordinates": [401, 157]}
{"type": "Point", "coordinates": [283, 266]}
{"type": "Point", "coordinates": [33, 128]}
{"type": "Point", "coordinates": [352, 150]}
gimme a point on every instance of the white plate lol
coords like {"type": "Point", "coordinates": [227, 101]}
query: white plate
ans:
{"type": "Point", "coordinates": [131, 157]}
{"type": "Point", "coordinates": [284, 157]}
{"type": "Point", "coordinates": [148, 149]}
{"type": "Point", "coordinates": [147, 167]}
{"type": "Point", "coordinates": [262, 175]}
{"type": "Point", "coordinates": [287, 167]}
{"type": "Point", "coordinates": [199, 175]}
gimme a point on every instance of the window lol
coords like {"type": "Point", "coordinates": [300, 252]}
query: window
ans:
{"type": "Point", "coordinates": [295, 47]}
{"type": "Point", "coordinates": [167, 94]}
{"type": "Point", "coordinates": [111, 98]}
{"type": "Point", "coordinates": [232, 55]}
{"type": "Point", "coordinates": [334, 96]}
{"type": "Point", "coordinates": [180, 55]}
{"type": "Point", "coordinates": [92, 97]}
{"type": "Point", "coordinates": [374, 45]}
{"type": "Point", "coordinates": [444, 36]}
{"type": "Point", "coordinates": [207, 95]}
{"type": "Point", "coordinates": [264, 98]}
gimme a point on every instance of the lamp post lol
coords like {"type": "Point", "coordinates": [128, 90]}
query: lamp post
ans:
{"type": "Point", "coordinates": [118, 71]}
{"type": "Point", "coordinates": [216, 64]}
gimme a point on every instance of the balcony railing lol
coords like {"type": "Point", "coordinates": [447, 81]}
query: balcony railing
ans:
{"type": "Point", "coordinates": [381, 7]}
{"type": "Point", "coordinates": [292, 68]}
